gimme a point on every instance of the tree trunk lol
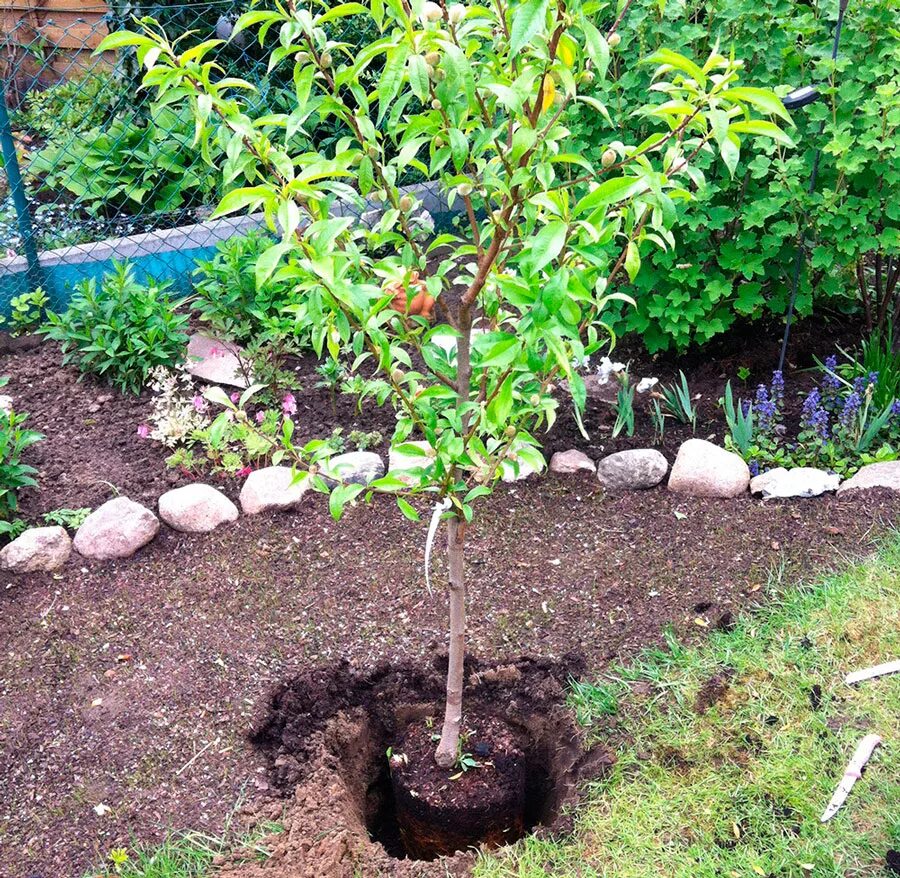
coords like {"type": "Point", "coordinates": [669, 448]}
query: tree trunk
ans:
{"type": "Point", "coordinates": [447, 749]}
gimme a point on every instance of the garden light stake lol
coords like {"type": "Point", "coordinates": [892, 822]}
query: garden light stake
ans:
{"type": "Point", "coordinates": [800, 98]}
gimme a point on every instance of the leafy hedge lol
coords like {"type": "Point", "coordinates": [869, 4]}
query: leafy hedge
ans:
{"type": "Point", "coordinates": [736, 240]}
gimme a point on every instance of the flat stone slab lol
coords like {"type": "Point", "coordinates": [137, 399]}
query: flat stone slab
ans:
{"type": "Point", "coordinates": [874, 475]}
{"type": "Point", "coordinates": [215, 361]}
{"type": "Point", "coordinates": [272, 489]}
{"type": "Point", "coordinates": [116, 530]}
{"type": "Point", "coordinates": [801, 481]}
{"type": "Point", "coordinates": [354, 467]}
{"type": "Point", "coordinates": [37, 549]}
{"type": "Point", "coordinates": [633, 470]}
{"type": "Point", "coordinates": [196, 509]}
{"type": "Point", "coordinates": [702, 469]}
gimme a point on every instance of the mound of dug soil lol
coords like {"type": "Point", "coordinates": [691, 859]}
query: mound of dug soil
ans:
{"type": "Point", "coordinates": [325, 736]}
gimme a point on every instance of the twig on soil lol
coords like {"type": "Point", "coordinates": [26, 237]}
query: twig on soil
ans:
{"type": "Point", "coordinates": [197, 755]}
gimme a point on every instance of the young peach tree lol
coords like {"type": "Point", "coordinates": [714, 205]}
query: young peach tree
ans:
{"type": "Point", "coordinates": [471, 96]}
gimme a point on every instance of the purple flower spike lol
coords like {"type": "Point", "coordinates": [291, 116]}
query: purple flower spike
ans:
{"type": "Point", "coordinates": [289, 404]}
{"type": "Point", "coordinates": [851, 406]}
{"type": "Point", "coordinates": [814, 417]}
{"type": "Point", "coordinates": [777, 388]}
{"type": "Point", "coordinates": [766, 409]}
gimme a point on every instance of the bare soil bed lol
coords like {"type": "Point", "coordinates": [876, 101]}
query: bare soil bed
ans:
{"type": "Point", "coordinates": [129, 690]}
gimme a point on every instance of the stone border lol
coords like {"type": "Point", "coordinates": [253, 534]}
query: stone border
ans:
{"type": "Point", "coordinates": [701, 469]}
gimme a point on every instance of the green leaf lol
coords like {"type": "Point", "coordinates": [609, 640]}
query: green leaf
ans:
{"type": "Point", "coordinates": [762, 128]}
{"type": "Point", "coordinates": [268, 261]}
{"type": "Point", "coordinates": [240, 199]}
{"type": "Point", "coordinates": [597, 48]}
{"type": "Point", "coordinates": [730, 148]}
{"type": "Point", "coordinates": [528, 20]}
{"type": "Point", "coordinates": [548, 244]}
{"type": "Point", "coordinates": [632, 260]}
{"type": "Point", "coordinates": [407, 510]}
{"type": "Point", "coordinates": [340, 497]}
{"type": "Point", "coordinates": [121, 39]}
{"type": "Point", "coordinates": [501, 405]}
{"type": "Point", "coordinates": [609, 192]}
{"type": "Point", "coordinates": [502, 353]}
{"type": "Point", "coordinates": [670, 58]}
{"type": "Point", "coordinates": [418, 77]}
{"type": "Point", "coordinates": [761, 98]}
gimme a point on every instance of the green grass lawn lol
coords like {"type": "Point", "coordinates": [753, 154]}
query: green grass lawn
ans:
{"type": "Point", "coordinates": [736, 789]}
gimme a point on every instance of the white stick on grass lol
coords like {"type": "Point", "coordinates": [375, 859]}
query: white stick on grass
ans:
{"type": "Point", "coordinates": [851, 775]}
{"type": "Point", "coordinates": [875, 671]}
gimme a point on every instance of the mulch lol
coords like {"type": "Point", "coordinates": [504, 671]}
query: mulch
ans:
{"type": "Point", "coordinates": [133, 685]}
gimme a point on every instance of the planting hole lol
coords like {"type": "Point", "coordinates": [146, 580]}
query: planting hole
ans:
{"type": "Point", "coordinates": [328, 736]}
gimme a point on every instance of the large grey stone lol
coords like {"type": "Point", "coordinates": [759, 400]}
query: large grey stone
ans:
{"type": "Point", "coordinates": [196, 508]}
{"type": "Point", "coordinates": [215, 361]}
{"type": "Point", "coordinates": [38, 548]}
{"type": "Point", "coordinates": [272, 488]}
{"type": "Point", "coordinates": [637, 469]}
{"type": "Point", "coordinates": [801, 481]}
{"type": "Point", "coordinates": [116, 530]}
{"type": "Point", "coordinates": [354, 467]}
{"type": "Point", "coordinates": [571, 461]}
{"type": "Point", "coordinates": [702, 469]}
{"type": "Point", "coordinates": [874, 475]}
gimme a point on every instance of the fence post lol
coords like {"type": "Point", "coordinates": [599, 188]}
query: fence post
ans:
{"type": "Point", "coordinates": [17, 188]}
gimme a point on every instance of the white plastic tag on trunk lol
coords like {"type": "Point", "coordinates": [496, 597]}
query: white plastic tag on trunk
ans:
{"type": "Point", "coordinates": [439, 510]}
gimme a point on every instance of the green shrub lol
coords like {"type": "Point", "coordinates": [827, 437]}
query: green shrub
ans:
{"type": "Point", "coordinates": [121, 330]}
{"type": "Point", "coordinates": [226, 294]}
{"type": "Point", "coordinates": [735, 241]}
{"type": "Point", "coordinates": [68, 107]}
{"type": "Point", "coordinates": [130, 166]}
{"type": "Point", "coordinates": [27, 312]}
{"type": "Point", "coordinates": [14, 439]}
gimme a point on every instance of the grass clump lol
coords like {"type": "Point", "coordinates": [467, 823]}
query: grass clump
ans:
{"type": "Point", "coordinates": [185, 854]}
{"type": "Point", "coordinates": [735, 752]}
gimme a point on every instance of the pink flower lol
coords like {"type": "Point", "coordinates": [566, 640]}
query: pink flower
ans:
{"type": "Point", "coordinates": [143, 431]}
{"type": "Point", "coordinates": [235, 397]}
{"type": "Point", "coordinates": [260, 417]}
{"type": "Point", "coordinates": [243, 473]}
{"type": "Point", "coordinates": [199, 403]}
{"type": "Point", "coordinates": [289, 404]}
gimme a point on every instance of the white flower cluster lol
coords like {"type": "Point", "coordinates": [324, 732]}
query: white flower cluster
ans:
{"type": "Point", "coordinates": [177, 409]}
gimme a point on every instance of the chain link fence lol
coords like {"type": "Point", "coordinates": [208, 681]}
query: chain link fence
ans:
{"type": "Point", "coordinates": [92, 172]}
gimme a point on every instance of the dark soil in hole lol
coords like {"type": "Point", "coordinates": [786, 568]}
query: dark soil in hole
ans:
{"type": "Point", "coordinates": [481, 801]}
{"type": "Point", "coordinates": [325, 739]}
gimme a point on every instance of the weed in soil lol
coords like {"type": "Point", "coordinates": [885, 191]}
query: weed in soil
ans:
{"type": "Point", "coordinates": [325, 736]}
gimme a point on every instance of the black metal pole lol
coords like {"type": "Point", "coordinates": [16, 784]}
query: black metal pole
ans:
{"type": "Point", "coordinates": [17, 188]}
{"type": "Point", "coordinates": [798, 256]}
